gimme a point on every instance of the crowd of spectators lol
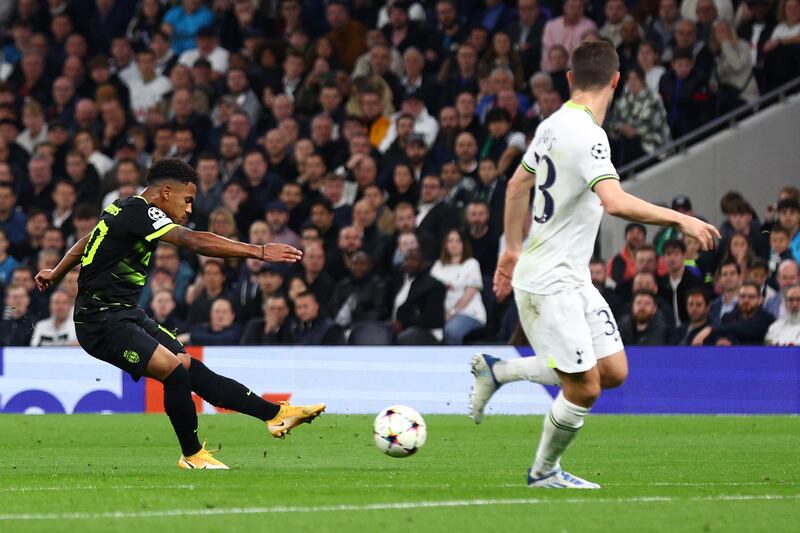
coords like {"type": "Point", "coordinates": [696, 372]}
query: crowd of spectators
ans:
{"type": "Point", "coordinates": [377, 137]}
{"type": "Point", "coordinates": [745, 292]}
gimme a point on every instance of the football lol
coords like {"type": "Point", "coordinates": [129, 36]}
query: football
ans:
{"type": "Point", "coordinates": [399, 431]}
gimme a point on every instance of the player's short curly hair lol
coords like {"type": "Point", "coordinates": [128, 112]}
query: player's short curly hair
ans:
{"type": "Point", "coordinates": [171, 169]}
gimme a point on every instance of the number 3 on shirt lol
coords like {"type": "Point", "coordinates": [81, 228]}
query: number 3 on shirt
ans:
{"type": "Point", "coordinates": [97, 236]}
{"type": "Point", "coordinates": [549, 180]}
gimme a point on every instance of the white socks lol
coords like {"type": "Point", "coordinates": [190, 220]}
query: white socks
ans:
{"type": "Point", "coordinates": [560, 426]}
{"type": "Point", "coordinates": [525, 368]}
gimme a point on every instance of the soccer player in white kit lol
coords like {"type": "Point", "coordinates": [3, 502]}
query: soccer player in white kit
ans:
{"type": "Point", "coordinates": [566, 320]}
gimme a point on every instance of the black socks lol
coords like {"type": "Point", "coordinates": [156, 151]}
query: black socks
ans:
{"type": "Point", "coordinates": [180, 408]}
{"type": "Point", "coordinates": [224, 392]}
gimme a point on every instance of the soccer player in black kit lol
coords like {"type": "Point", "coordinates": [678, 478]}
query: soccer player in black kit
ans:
{"type": "Point", "coordinates": [114, 260]}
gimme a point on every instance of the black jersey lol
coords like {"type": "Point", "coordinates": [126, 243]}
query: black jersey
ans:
{"type": "Point", "coordinates": [116, 260]}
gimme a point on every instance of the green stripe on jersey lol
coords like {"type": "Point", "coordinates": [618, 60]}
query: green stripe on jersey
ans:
{"type": "Point", "coordinates": [160, 232]}
{"type": "Point", "coordinates": [572, 105]}
{"type": "Point", "coordinates": [598, 179]}
{"type": "Point", "coordinates": [528, 168]}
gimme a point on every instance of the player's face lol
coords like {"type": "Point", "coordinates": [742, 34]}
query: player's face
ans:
{"type": "Point", "coordinates": [696, 308]}
{"type": "Point", "coordinates": [178, 204]}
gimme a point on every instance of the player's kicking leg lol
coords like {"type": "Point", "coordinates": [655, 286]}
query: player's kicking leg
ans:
{"type": "Point", "coordinates": [492, 372]}
{"type": "Point", "coordinates": [224, 392]}
{"type": "Point", "coordinates": [165, 367]}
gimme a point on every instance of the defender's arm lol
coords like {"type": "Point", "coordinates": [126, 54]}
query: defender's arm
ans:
{"type": "Point", "coordinates": [517, 197]}
{"type": "Point", "coordinates": [213, 245]}
{"type": "Point", "coordinates": [619, 203]}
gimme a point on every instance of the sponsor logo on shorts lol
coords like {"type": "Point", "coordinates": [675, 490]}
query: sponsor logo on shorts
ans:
{"type": "Point", "coordinates": [131, 356]}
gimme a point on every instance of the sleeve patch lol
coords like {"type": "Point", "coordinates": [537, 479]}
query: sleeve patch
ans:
{"type": "Point", "coordinates": [600, 151]}
{"type": "Point", "coordinates": [155, 213]}
{"type": "Point", "coordinates": [160, 223]}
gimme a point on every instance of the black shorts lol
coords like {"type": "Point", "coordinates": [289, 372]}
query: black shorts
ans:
{"type": "Point", "coordinates": [126, 338]}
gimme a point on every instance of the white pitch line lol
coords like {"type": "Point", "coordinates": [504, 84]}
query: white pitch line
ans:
{"type": "Point", "coordinates": [379, 507]}
{"type": "Point", "coordinates": [95, 487]}
{"type": "Point", "coordinates": [684, 484]}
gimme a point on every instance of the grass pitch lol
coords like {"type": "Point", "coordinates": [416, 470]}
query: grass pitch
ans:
{"type": "Point", "coordinates": [119, 473]}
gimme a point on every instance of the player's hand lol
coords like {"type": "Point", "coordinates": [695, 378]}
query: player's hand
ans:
{"type": "Point", "coordinates": [502, 276]}
{"type": "Point", "coordinates": [280, 253]}
{"type": "Point", "coordinates": [702, 231]}
{"type": "Point", "coordinates": [45, 278]}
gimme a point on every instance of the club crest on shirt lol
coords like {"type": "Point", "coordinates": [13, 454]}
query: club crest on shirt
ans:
{"type": "Point", "coordinates": [156, 213]}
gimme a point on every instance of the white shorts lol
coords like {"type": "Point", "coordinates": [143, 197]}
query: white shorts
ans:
{"type": "Point", "coordinates": [572, 329]}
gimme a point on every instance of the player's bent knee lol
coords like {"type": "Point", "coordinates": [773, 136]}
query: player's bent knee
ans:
{"type": "Point", "coordinates": [162, 363]}
{"type": "Point", "coordinates": [186, 361]}
{"type": "Point", "coordinates": [591, 392]}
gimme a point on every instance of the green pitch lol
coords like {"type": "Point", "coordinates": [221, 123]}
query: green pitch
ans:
{"type": "Point", "coordinates": [119, 473]}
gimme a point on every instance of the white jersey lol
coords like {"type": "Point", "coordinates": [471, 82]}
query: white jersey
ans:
{"type": "Point", "coordinates": [569, 154]}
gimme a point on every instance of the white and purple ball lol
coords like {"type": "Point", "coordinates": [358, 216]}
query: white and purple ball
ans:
{"type": "Point", "coordinates": [399, 431]}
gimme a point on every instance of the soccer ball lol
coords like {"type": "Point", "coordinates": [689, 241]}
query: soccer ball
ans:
{"type": "Point", "coordinates": [399, 431]}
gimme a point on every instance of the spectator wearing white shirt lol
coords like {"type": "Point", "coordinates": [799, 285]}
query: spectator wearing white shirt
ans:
{"type": "Point", "coordinates": [788, 275]}
{"type": "Point", "coordinates": [786, 331]}
{"type": "Point", "coordinates": [149, 88]}
{"type": "Point", "coordinates": [724, 9]}
{"type": "Point", "coordinates": [207, 48]}
{"type": "Point", "coordinates": [122, 54]}
{"type": "Point", "coordinates": [35, 130]}
{"type": "Point", "coordinates": [461, 274]}
{"type": "Point", "coordinates": [647, 57]}
{"type": "Point", "coordinates": [128, 177]}
{"type": "Point", "coordinates": [424, 123]}
{"type": "Point", "coordinates": [59, 329]}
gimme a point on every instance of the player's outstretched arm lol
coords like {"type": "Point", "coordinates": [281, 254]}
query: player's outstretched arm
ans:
{"type": "Point", "coordinates": [213, 245]}
{"type": "Point", "coordinates": [517, 196]}
{"type": "Point", "coordinates": [51, 276]}
{"type": "Point", "coordinates": [619, 203]}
